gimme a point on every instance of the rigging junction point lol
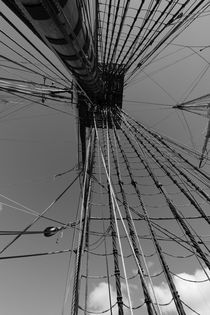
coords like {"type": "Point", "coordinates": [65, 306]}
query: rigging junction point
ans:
{"type": "Point", "coordinates": [104, 106]}
{"type": "Point", "coordinates": [100, 86]}
{"type": "Point", "coordinates": [199, 106]}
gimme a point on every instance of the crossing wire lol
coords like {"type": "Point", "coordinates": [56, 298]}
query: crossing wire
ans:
{"type": "Point", "coordinates": [197, 188]}
{"type": "Point", "coordinates": [34, 46]}
{"type": "Point", "coordinates": [155, 22]}
{"type": "Point", "coordinates": [84, 221]}
{"type": "Point", "coordinates": [113, 29]}
{"type": "Point", "coordinates": [180, 27]}
{"type": "Point", "coordinates": [39, 216]}
{"type": "Point", "coordinates": [83, 225]}
{"type": "Point", "coordinates": [114, 202]}
{"type": "Point", "coordinates": [133, 233]}
{"type": "Point", "coordinates": [171, 284]}
{"type": "Point", "coordinates": [105, 124]}
{"type": "Point", "coordinates": [172, 207]}
{"type": "Point", "coordinates": [114, 235]}
{"type": "Point", "coordinates": [107, 31]}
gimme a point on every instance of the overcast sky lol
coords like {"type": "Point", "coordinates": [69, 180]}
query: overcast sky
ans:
{"type": "Point", "coordinates": [38, 143]}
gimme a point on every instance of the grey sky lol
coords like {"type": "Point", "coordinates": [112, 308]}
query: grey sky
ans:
{"type": "Point", "coordinates": [38, 143]}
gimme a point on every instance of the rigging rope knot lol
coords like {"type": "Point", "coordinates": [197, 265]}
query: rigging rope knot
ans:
{"type": "Point", "coordinates": [119, 300]}
{"type": "Point", "coordinates": [133, 182]}
{"type": "Point", "coordinates": [147, 300]}
{"type": "Point", "coordinates": [159, 185]}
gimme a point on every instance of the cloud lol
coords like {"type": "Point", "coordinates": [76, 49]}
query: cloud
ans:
{"type": "Point", "coordinates": [98, 300]}
{"type": "Point", "coordinates": [196, 295]}
{"type": "Point", "coordinates": [150, 264]}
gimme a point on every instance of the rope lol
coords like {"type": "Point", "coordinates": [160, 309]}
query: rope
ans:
{"type": "Point", "coordinates": [91, 183]}
{"type": "Point", "coordinates": [34, 46]}
{"type": "Point", "coordinates": [166, 304]}
{"type": "Point", "coordinates": [120, 30]}
{"type": "Point", "coordinates": [190, 308]}
{"type": "Point", "coordinates": [197, 188]}
{"type": "Point", "coordinates": [131, 225]}
{"type": "Point", "coordinates": [98, 312]}
{"type": "Point", "coordinates": [105, 244]}
{"type": "Point", "coordinates": [157, 246]}
{"type": "Point", "coordinates": [180, 26]}
{"type": "Point", "coordinates": [29, 61]}
{"type": "Point", "coordinates": [114, 219]}
{"type": "Point", "coordinates": [188, 280]}
{"type": "Point", "coordinates": [36, 254]}
{"type": "Point", "coordinates": [130, 243]}
{"type": "Point", "coordinates": [163, 141]}
{"type": "Point", "coordinates": [172, 207]}
{"type": "Point", "coordinates": [107, 31]}
{"type": "Point", "coordinates": [69, 274]}
{"type": "Point", "coordinates": [192, 200]}
{"type": "Point", "coordinates": [113, 30]}
{"type": "Point", "coordinates": [114, 243]}
{"type": "Point", "coordinates": [40, 215]}
{"type": "Point", "coordinates": [164, 231]}
{"type": "Point", "coordinates": [135, 307]}
{"type": "Point", "coordinates": [80, 247]}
